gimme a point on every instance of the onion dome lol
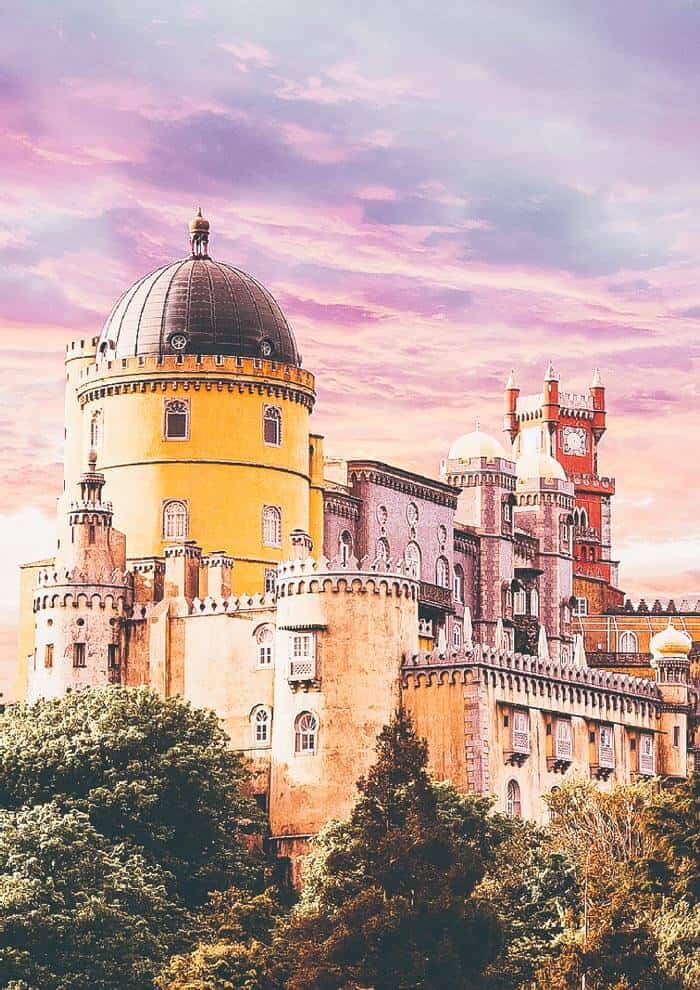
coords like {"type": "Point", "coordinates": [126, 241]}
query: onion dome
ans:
{"type": "Point", "coordinates": [476, 444]}
{"type": "Point", "coordinates": [670, 642]}
{"type": "Point", "coordinates": [198, 306]}
{"type": "Point", "coordinates": [539, 465]}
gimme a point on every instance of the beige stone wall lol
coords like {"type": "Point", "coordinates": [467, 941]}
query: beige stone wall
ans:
{"type": "Point", "coordinates": [363, 626]}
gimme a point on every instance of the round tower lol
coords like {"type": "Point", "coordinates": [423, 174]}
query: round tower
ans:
{"type": "Point", "coordinates": [79, 605]}
{"type": "Point", "coordinates": [670, 651]}
{"type": "Point", "coordinates": [198, 408]}
{"type": "Point", "coordinates": [342, 631]}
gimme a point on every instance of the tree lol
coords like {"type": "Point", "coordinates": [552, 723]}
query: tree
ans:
{"type": "Point", "coordinates": [77, 911]}
{"type": "Point", "coordinates": [672, 823]}
{"type": "Point", "coordinates": [147, 771]}
{"type": "Point", "coordinates": [392, 904]}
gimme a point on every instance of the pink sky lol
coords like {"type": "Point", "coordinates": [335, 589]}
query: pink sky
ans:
{"type": "Point", "coordinates": [433, 195]}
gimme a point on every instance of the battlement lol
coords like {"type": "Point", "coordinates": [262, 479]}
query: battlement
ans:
{"type": "Point", "coordinates": [296, 577]}
{"type": "Point", "coordinates": [684, 607]}
{"type": "Point", "coordinates": [101, 596]}
{"type": "Point", "coordinates": [233, 605]}
{"type": "Point", "coordinates": [577, 404]}
{"type": "Point", "coordinates": [64, 578]}
{"type": "Point", "coordinates": [85, 347]}
{"type": "Point", "coordinates": [432, 667]}
{"type": "Point", "coordinates": [208, 367]}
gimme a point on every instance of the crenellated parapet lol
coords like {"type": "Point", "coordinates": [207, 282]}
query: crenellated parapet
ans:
{"type": "Point", "coordinates": [233, 605]}
{"type": "Point", "coordinates": [195, 372]}
{"type": "Point", "coordinates": [296, 577]}
{"type": "Point", "coordinates": [665, 608]}
{"type": "Point", "coordinates": [533, 678]}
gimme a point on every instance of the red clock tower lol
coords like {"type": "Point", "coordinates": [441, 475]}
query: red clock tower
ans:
{"type": "Point", "coordinates": [569, 427]}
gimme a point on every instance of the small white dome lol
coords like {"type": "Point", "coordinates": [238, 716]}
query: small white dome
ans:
{"type": "Point", "coordinates": [476, 444]}
{"type": "Point", "coordinates": [538, 465]}
{"type": "Point", "coordinates": [670, 642]}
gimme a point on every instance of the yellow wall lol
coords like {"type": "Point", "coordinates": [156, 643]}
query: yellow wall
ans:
{"type": "Point", "coordinates": [28, 575]}
{"type": "Point", "coordinates": [224, 470]}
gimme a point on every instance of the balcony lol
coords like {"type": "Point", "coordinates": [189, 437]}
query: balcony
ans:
{"type": "Point", "coordinates": [433, 594]}
{"type": "Point", "coordinates": [562, 747]}
{"type": "Point", "coordinates": [519, 740]}
{"type": "Point", "coordinates": [606, 761]}
{"type": "Point", "coordinates": [597, 484]}
{"type": "Point", "coordinates": [647, 767]}
{"type": "Point", "coordinates": [303, 669]}
{"type": "Point", "coordinates": [586, 534]}
{"type": "Point", "coordinates": [600, 658]}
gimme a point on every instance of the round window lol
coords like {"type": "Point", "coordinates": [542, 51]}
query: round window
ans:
{"type": "Point", "coordinates": [266, 348]}
{"type": "Point", "coordinates": [178, 341]}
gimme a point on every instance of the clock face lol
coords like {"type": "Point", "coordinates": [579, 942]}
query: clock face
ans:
{"type": "Point", "coordinates": [574, 440]}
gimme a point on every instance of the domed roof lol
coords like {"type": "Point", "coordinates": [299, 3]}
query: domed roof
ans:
{"type": "Point", "coordinates": [670, 642]}
{"type": "Point", "coordinates": [476, 444]}
{"type": "Point", "coordinates": [198, 306]}
{"type": "Point", "coordinates": [538, 465]}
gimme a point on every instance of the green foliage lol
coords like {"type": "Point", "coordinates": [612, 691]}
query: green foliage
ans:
{"type": "Point", "coordinates": [77, 911]}
{"type": "Point", "coordinates": [677, 930]}
{"type": "Point", "coordinates": [391, 898]}
{"type": "Point", "coordinates": [153, 772]}
{"type": "Point", "coordinates": [673, 821]}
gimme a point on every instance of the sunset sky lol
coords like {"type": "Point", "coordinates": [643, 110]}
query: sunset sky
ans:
{"type": "Point", "coordinates": [435, 193]}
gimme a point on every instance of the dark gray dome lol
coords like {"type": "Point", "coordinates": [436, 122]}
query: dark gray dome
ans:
{"type": "Point", "coordinates": [198, 306]}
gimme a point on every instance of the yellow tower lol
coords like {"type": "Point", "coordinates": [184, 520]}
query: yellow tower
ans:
{"type": "Point", "coordinates": [198, 409]}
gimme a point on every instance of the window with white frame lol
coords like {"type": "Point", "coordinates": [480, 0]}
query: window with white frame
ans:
{"type": "Point", "coordinates": [177, 419]}
{"type": "Point", "coordinates": [458, 583]}
{"type": "Point", "coordinates": [534, 603]}
{"type": "Point", "coordinates": [581, 606]}
{"type": "Point", "coordinates": [627, 642]}
{"type": "Point", "coordinates": [521, 732]}
{"type": "Point", "coordinates": [305, 733]}
{"type": "Point", "coordinates": [513, 806]}
{"type": "Point", "coordinates": [175, 523]}
{"type": "Point", "coordinates": [606, 746]}
{"type": "Point", "coordinates": [265, 641]}
{"type": "Point", "coordinates": [413, 558]}
{"type": "Point", "coordinates": [646, 753]}
{"type": "Point", "coordinates": [442, 572]}
{"type": "Point", "coordinates": [302, 656]}
{"type": "Point", "coordinates": [563, 743]}
{"type": "Point", "coordinates": [271, 526]}
{"type": "Point", "coordinates": [96, 429]}
{"type": "Point", "coordinates": [260, 723]}
{"type": "Point", "coordinates": [457, 634]}
{"type": "Point", "coordinates": [270, 580]}
{"type": "Point", "coordinates": [272, 426]}
{"type": "Point", "coordinates": [382, 550]}
{"type": "Point", "coordinates": [519, 602]}
{"type": "Point", "coordinates": [345, 547]}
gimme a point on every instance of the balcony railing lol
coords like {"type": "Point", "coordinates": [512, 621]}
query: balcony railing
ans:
{"type": "Point", "coordinates": [521, 740]}
{"type": "Point", "coordinates": [433, 594]}
{"type": "Point", "coordinates": [601, 658]}
{"type": "Point", "coordinates": [302, 669]}
{"type": "Point", "coordinates": [593, 482]}
{"type": "Point", "coordinates": [646, 764]}
{"type": "Point", "coordinates": [583, 533]}
{"type": "Point", "coordinates": [562, 749]}
{"type": "Point", "coordinates": [606, 756]}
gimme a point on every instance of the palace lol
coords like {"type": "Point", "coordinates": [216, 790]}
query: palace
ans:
{"type": "Point", "coordinates": [206, 548]}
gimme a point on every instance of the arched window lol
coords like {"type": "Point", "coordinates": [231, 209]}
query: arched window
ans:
{"type": "Point", "coordinates": [345, 547]}
{"type": "Point", "coordinates": [442, 572]}
{"type": "Point", "coordinates": [583, 518]}
{"type": "Point", "coordinates": [534, 603]}
{"type": "Point", "coordinates": [177, 419]}
{"type": "Point", "coordinates": [265, 639]}
{"type": "Point", "coordinates": [382, 550]}
{"type": "Point", "coordinates": [260, 721]}
{"type": "Point", "coordinates": [305, 733]}
{"type": "Point", "coordinates": [272, 425]}
{"type": "Point", "coordinates": [458, 583]}
{"type": "Point", "coordinates": [628, 643]}
{"type": "Point", "coordinates": [271, 526]}
{"type": "Point", "coordinates": [412, 558]}
{"type": "Point", "coordinates": [519, 602]}
{"type": "Point", "coordinates": [96, 429]}
{"type": "Point", "coordinates": [513, 809]}
{"type": "Point", "coordinates": [457, 636]}
{"type": "Point", "coordinates": [175, 520]}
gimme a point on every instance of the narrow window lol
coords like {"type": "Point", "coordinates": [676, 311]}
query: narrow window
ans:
{"type": "Point", "coordinates": [646, 754]}
{"type": "Point", "coordinates": [457, 635]}
{"type": "Point", "coordinates": [48, 655]}
{"type": "Point", "coordinates": [174, 520]}
{"type": "Point", "coordinates": [113, 656]}
{"type": "Point", "coordinates": [676, 736]}
{"type": "Point", "coordinates": [535, 605]}
{"type": "Point", "coordinates": [270, 580]}
{"type": "Point", "coordinates": [264, 639]}
{"type": "Point", "coordinates": [177, 419]}
{"type": "Point", "coordinates": [442, 572]}
{"type": "Point", "coordinates": [78, 654]}
{"type": "Point", "coordinates": [91, 533]}
{"type": "Point", "coordinates": [302, 659]}
{"type": "Point", "coordinates": [627, 643]}
{"type": "Point", "coordinates": [272, 425]}
{"type": "Point", "coordinates": [563, 744]}
{"type": "Point", "coordinates": [521, 732]}
{"type": "Point", "coordinates": [260, 723]}
{"type": "Point", "coordinates": [581, 606]}
{"type": "Point", "coordinates": [345, 547]}
{"type": "Point", "coordinates": [458, 583]}
{"type": "Point", "coordinates": [272, 526]}
{"type": "Point", "coordinates": [606, 754]}
{"type": "Point", "coordinates": [519, 602]}
{"type": "Point", "coordinates": [305, 733]}
{"type": "Point", "coordinates": [513, 809]}
{"type": "Point", "coordinates": [382, 550]}
{"type": "Point", "coordinates": [412, 556]}
{"type": "Point", "coordinates": [96, 429]}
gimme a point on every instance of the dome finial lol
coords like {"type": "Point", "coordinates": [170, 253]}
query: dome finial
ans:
{"type": "Point", "coordinates": [199, 236]}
